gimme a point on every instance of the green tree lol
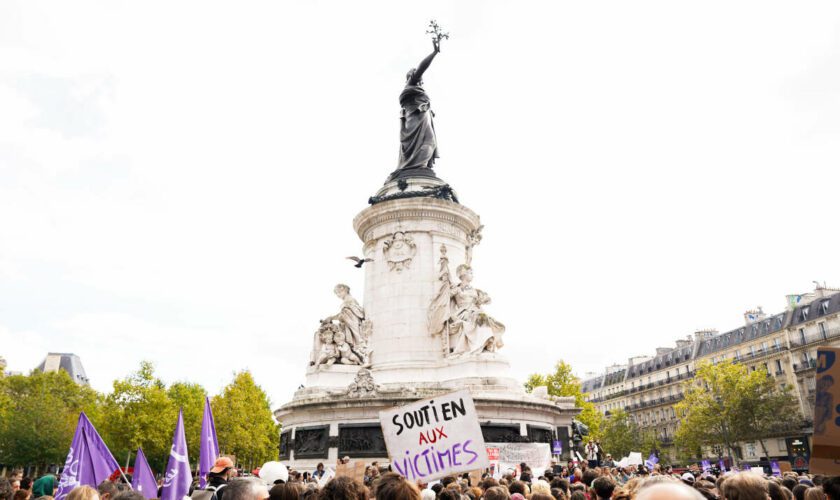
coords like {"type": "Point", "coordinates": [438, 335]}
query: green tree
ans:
{"type": "Point", "coordinates": [38, 416]}
{"type": "Point", "coordinates": [245, 425]}
{"type": "Point", "coordinates": [140, 413]}
{"type": "Point", "coordinates": [620, 434]}
{"type": "Point", "coordinates": [190, 398]}
{"type": "Point", "coordinates": [562, 382]}
{"type": "Point", "coordinates": [725, 403]}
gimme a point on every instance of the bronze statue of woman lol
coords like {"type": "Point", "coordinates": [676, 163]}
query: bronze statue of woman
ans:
{"type": "Point", "coordinates": [418, 143]}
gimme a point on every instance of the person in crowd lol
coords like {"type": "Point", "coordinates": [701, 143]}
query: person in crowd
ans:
{"type": "Point", "coordinates": [246, 488]}
{"type": "Point", "coordinates": [107, 490]}
{"type": "Point", "coordinates": [602, 488]}
{"type": "Point", "coordinates": [286, 491]}
{"type": "Point", "coordinates": [799, 491]}
{"type": "Point", "coordinates": [392, 486]}
{"type": "Point", "coordinates": [667, 490]}
{"type": "Point", "coordinates": [129, 495]}
{"type": "Point", "coordinates": [319, 471]}
{"type": "Point", "coordinates": [44, 487]}
{"type": "Point", "coordinates": [220, 475]}
{"type": "Point", "coordinates": [496, 493]}
{"type": "Point", "coordinates": [83, 493]}
{"type": "Point", "coordinates": [815, 493]}
{"type": "Point", "coordinates": [591, 450]}
{"type": "Point", "coordinates": [22, 495]}
{"type": "Point", "coordinates": [745, 486]}
{"type": "Point", "coordinates": [343, 488]}
{"type": "Point", "coordinates": [6, 492]}
{"type": "Point", "coordinates": [831, 488]}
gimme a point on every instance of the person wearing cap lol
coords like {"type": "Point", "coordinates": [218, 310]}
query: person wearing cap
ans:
{"type": "Point", "coordinates": [688, 478]}
{"type": "Point", "coordinates": [218, 477]}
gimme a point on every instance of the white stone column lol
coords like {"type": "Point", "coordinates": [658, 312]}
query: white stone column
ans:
{"type": "Point", "coordinates": [397, 302]}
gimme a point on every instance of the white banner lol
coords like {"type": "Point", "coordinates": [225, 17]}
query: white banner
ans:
{"type": "Point", "coordinates": [435, 437]}
{"type": "Point", "coordinates": [537, 456]}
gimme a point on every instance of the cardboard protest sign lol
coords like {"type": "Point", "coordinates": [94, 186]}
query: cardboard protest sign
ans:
{"type": "Point", "coordinates": [784, 466]}
{"type": "Point", "coordinates": [435, 437]}
{"type": "Point", "coordinates": [825, 455]}
{"type": "Point", "coordinates": [536, 455]}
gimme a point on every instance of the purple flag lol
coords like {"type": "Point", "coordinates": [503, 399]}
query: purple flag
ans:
{"type": "Point", "coordinates": [89, 461]}
{"type": "Point", "coordinates": [774, 466]}
{"type": "Point", "coordinates": [144, 479]}
{"type": "Point", "coordinates": [706, 465]}
{"type": "Point", "coordinates": [651, 461]}
{"type": "Point", "coordinates": [176, 482]}
{"type": "Point", "coordinates": [209, 450]}
{"type": "Point", "coordinates": [722, 466]}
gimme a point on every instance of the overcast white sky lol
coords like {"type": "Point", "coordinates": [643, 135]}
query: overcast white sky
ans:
{"type": "Point", "coordinates": [178, 179]}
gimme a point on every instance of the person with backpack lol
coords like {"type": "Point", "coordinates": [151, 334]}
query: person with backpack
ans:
{"type": "Point", "coordinates": [217, 479]}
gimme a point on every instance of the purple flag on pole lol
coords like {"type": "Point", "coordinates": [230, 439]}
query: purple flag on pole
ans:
{"type": "Point", "coordinates": [177, 480]}
{"type": "Point", "coordinates": [89, 461]}
{"type": "Point", "coordinates": [144, 479]}
{"type": "Point", "coordinates": [722, 466]}
{"type": "Point", "coordinates": [209, 450]}
{"type": "Point", "coordinates": [651, 461]}
{"type": "Point", "coordinates": [706, 465]}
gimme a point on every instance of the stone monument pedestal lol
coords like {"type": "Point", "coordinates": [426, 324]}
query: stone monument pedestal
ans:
{"type": "Point", "coordinates": [416, 236]}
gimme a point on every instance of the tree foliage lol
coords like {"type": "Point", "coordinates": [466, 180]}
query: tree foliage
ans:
{"type": "Point", "coordinates": [244, 422]}
{"type": "Point", "coordinates": [190, 398]}
{"type": "Point", "coordinates": [562, 382]}
{"type": "Point", "coordinates": [139, 413]}
{"type": "Point", "coordinates": [725, 403]}
{"type": "Point", "coordinates": [620, 434]}
{"type": "Point", "coordinates": [38, 415]}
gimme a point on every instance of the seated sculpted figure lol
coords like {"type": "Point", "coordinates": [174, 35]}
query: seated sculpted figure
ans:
{"type": "Point", "coordinates": [471, 328]}
{"type": "Point", "coordinates": [327, 353]}
{"type": "Point", "coordinates": [345, 351]}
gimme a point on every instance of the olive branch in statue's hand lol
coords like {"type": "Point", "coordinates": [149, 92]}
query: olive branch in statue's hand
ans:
{"type": "Point", "coordinates": [437, 34]}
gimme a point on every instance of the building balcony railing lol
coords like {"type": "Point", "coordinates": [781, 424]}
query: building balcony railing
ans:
{"type": "Point", "coordinates": [814, 338]}
{"type": "Point", "coordinates": [760, 353]}
{"type": "Point", "coordinates": [804, 366]}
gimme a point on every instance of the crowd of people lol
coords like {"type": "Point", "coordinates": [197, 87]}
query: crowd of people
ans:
{"type": "Point", "coordinates": [572, 482]}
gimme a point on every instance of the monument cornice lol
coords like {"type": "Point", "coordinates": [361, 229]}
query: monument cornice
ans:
{"type": "Point", "coordinates": [425, 209]}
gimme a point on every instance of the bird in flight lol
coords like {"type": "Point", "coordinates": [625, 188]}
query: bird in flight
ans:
{"type": "Point", "coordinates": [359, 262]}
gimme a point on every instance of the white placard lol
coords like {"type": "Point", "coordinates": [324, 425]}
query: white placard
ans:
{"type": "Point", "coordinates": [435, 437]}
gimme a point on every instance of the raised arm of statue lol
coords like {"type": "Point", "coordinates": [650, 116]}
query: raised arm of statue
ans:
{"type": "Point", "coordinates": [417, 76]}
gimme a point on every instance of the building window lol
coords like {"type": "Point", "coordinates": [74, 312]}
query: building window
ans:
{"type": "Point", "coordinates": [824, 307]}
{"type": "Point", "coordinates": [802, 335]}
{"type": "Point", "coordinates": [778, 344]}
{"type": "Point", "coordinates": [778, 366]}
{"type": "Point", "coordinates": [803, 313]}
{"type": "Point", "coordinates": [822, 329]}
{"type": "Point", "coordinates": [752, 350]}
{"type": "Point", "coordinates": [764, 346]}
{"type": "Point", "coordinates": [779, 322]}
{"type": "Point", "coordinates": [737, 355]}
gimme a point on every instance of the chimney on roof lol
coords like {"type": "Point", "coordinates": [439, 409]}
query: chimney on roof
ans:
{"type": "Point", "coordinates": [754, 315]}
{"type": "Point", "coordinates": [701, 335]}
{"type": "Point", "coordinates": [663, 350]}
{"type": "Point", "coordinates": [684, 342]}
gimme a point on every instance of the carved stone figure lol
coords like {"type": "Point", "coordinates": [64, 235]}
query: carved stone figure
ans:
{"type": "Point", "coordinates": [363, 386]}
{"type": "Point", "coordinates": [399, 251]}
{"type": "Point", "coordinates": [325, 352]}
{"type": "Point", "coordinates": [350, 316]}
{"type": "Point", "coordinates": [456, 314]}
{"type": "Point", "coordinates": [346, 353]}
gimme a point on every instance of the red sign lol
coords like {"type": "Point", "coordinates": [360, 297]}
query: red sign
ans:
{"type": "Point", "coordinates": [493, 454]}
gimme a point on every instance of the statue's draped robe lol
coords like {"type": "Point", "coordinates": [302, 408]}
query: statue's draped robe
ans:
{"type": "Point", "coordinates": [351, 317]}
{"type": "Point", "coordinates": [418, 143]}
{"type": "Point", "coordinates": [474, 330]}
